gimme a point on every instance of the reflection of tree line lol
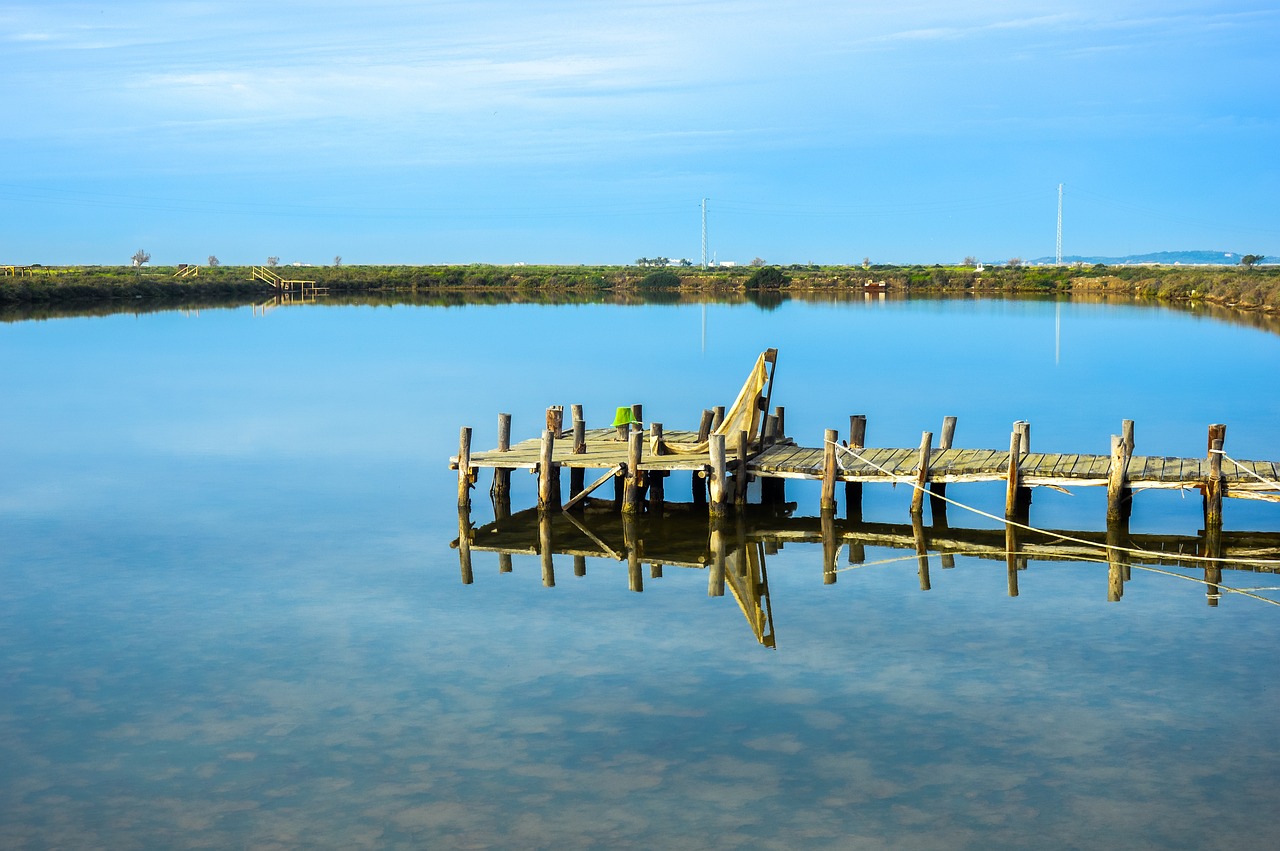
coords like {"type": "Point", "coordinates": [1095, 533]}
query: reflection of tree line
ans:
{"type": "Point", "coordinates": [734, 553]}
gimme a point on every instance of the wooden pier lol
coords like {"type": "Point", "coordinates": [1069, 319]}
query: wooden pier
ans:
{"type": "Point", "coordinates": [731, 448]}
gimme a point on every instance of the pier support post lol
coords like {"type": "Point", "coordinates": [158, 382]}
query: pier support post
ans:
{"type": "Point", "coordinates": [922, 475]}
{"type": "Point", "coordinates": [1023, 428]}
{"type": "Point", "coordinates": [828, 500]}
{"type": "Point", "coordinates": [502, 475]}
{"type": "Point", "coordinates": [579, 565]}
{"type": "Point", "coordinates": [1117, 476]}
{"type": "Point", "coordinates": [578, 475]}
{"type": "Point", "coordinates": [937, 505]}
{"type": "Point", "coordinates": [717, 417]}
{"type": "Point", "coordinates": [780, 427]}
{"type": "Point", "coordinates": [718, 484]}
{"type": "Point", "coordinates": [853, 490]}
{"type": "Point", "coordinates": [740, 478]}
{"type": "Point", "coordinates": [465, 474]}
{"type": "Point", "coordinates": [1011, 491]}
{"type": "Point", "coordinates": [631, 487]}
{"type": "Point", "coordinates": [1213, 485]}
{"type": "Point", "coordinates": [548, 473]}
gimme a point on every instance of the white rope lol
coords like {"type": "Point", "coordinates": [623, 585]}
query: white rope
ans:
{"type": "Point", "coordinates": [1274, 485]}
{"type": "Point", "coordinates": [1131, 550]}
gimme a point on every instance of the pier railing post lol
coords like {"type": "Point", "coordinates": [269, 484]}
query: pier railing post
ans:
{"type": "Point", "coordinates": [1012, 478]}
{"type": "Point", "coordinates": [828, 500]}
{"type": "Point", "coordinates": [464, 468]}
{"type": "Point", "coordinates": [548, 472]}
{"type": "Point", "coordinates": [717, 482]}
{"type": "Point", "coordinates": [631, 487]}
{"type": "Point", "coordinates": [922, 475]}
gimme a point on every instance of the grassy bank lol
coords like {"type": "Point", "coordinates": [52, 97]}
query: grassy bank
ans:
{"type": "Point", "coordinates": [1251, 289]}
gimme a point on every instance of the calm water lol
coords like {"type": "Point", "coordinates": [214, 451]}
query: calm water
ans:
{"type": "Point", "coordinates": [230, 615]}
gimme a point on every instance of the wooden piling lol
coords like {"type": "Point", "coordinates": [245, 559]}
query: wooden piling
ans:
{"type": "Point", "coordinates": [830, 547]}
{"type": "Point", "coordinates": [780, 428]}
{"type": "Point", "coordinates": [631, 487]}
{"type": "Point", "coordinates": [555, 419]}
{"type": "Point", "coordinates": [579, 565]}
{"type": "Point", "coordinates": [637, 414]}
{"type": "Point", "coordinates": [502, 475]}
{"type": "Point", "coordinates": [1011, 557]}
{"type": "Point", "coordinates": [1213, 487]}
{"type": "Point", "coordinates": [631, 539]}
{"type": "Point", "coordinates": [937, 505]}
{"type": "Point", "coordinates": [922, 475]}
{"type": "Point", "coordinates": [719, 546]}
{"type": "Point", "coordinates": [922, 552]}
{"type": "Point", "coordinates": [828, 500]}
{"type": "Point", "coordinates": [547, 471]}
{"type": "Point", "coordinates": [465, 472]}
{"type": "Point", "coordinates": [1212, 549]}
{"type": "Point", "coordinates": [704, 425]}
{"type": "Point", "coordinates": [1022, 508]}
{"type": "Point", "coordinates": [546, 549]}
{"type": "Point", "coordinates": [717, 417]}
{"type": "Point", "coordinates": [1117, 471]}
{"type": "Point", "coordinates": [719, 486]}
{"type": "Point", "coordinates": [1011, 490]}
{"type": "Point", "coordinates": [464, 545]}
{"type": "Point", "coordinates": [740, 476]}
{"type": "Point", "coordinates": [853, 490]}
{"type": "Point", "coordinates": [578, 475]}
{"type": "Point", "coordinates": [1117, 555]}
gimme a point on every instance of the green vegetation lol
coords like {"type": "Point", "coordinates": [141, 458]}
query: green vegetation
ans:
{"type": "Point", "coordinates": [1247, 286]}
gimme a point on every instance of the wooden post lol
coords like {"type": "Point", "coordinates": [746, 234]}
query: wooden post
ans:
{"type": "Point", "coordinates": [546, 549]}
{"type": "Point", "coordinates": [1011, 491]}
{"type": "Point", "coordinates": [922, 552]}
{"type": "Point", "coordinates": [1116, 473]}
{"type": "Point", "coordinates": [704, 426]}
{"type": "Point", "coordinates": [770, 430]}
{"type": "Point", "coordinates": [637, 414]}
{"type": "Point", "coordinates": [1126, 432]}
{"type": "Point", "coordinates": [1212, 548]}
{"type": "Point", "coordinates": [578, 475]}
{"type": "Point", "coordinates": [1023, 428]}
{"type": "Point", "coordinates": [631, 488]}
{"type": "Point", "coordinates": [1117, 558]}
{"type": "Point", "coordinates": [502, 475]}
{"type": "Point", "coordinates": [656, 478]}
{"type": "Point", "coordinates": [717, 417]}
{"type": "Point", "coordinates": [828, 500]}
{"type": "Point", "coordinates": [504, 562]}
{"type": "Point", "coordinates": [717, 482]}
{"type": "Point", "coordinates": [922, 475]}
{"type": "Point", "coordinates": [655, 439]}
{"type": "Point", "coordinates": [464, 468]}
{"type": "Point", "coordinates": [1126, 493]}
{"type": "Point", "coordinates": [937, 505]}
{"type": "Point", "coordinates": [579, 565]}
{"type": "Point", "coordinates": [853, 490]}
{"type": "Point", "coordinates": [555, 419]}
{"type": "Point", "coordinates": [1213, 488]}
{"type": "Point", "coordinates": [780, 430]}
{"type": "Point", "coordinates": [830, 547]}
{"type": "Point", "coordinates": [547, 471]}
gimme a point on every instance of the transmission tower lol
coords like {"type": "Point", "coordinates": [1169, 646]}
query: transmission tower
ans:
{"type": "Point", "coordinates": [1059, 252]}
{"type": "Point", "coordinates": [704, 233]}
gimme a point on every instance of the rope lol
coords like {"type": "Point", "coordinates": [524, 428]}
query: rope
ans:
{"type": "Point", "coordinates": [1274, 485]}
{"type": "Point", "coordinates": [1131, 550]}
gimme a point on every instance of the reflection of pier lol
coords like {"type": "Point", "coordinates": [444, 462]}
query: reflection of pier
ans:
{"type": "Point", "coordinates": [734, 552]}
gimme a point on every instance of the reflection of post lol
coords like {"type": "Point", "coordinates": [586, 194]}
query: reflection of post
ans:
{"type": "Point", "coordinates": [830, 548]}
{"type": "Point", "coordinates": [715, 578]}
{"type": "Point", "coordinates": [579, 565]}
{"type": "Point", "coordinates": [1011, 556]}
{"type": "Point", "coordinates": [1117, 558]}
{"type": "Point", "coordinates": [922, 551]}
{"type": "Point", "coordinates": [1213, 569]}
{"type": "Point", "coordinates": [464, 545]}
{"type": "Point", "coordinates": [545, 549]}
{"type": "Point", "coordinates": [631, 538]}
{"type": "Point", "coordinates": [853, 490]}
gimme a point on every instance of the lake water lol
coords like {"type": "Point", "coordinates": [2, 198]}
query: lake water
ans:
{"type": "Point", "coordinates": [230, 615]}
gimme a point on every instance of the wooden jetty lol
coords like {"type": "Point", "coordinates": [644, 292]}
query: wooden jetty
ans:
{"type": "Point", "coordinates": [734, 446]}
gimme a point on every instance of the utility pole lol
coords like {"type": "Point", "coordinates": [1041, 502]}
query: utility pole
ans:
{"type": "Point", "coordinates": [1059, 224]}
{"type": "Point", "coordinates": [704, 233]}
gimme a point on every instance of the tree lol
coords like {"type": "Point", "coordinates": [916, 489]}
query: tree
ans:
{"type": "Point", "coordinates": [685, 261]}
{"type": "Point", "coordinates": [1250, 260]}
{"type": "Point", "coordinates": [337, 261]}
{"type": "Point", "coordinates": [866, 262]}
{"type": "Point", "coordinates": [1014, 262]}
{"type": "Point", "coordinates": [970, 261]}
{"type": "Point", "coordinates": [758, 262]}
{"type": "Point", "coordinates": [767, 278]}
{"type": "Point", "coordinates": [273, 261]}
{"type": "Point", "coordinates": [213, 260]}
{"type": "Point", "coordinates": [140, 257]}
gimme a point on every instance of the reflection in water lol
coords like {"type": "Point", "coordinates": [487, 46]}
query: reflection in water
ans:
{"type": "Point", "coordinates": [734, 553]}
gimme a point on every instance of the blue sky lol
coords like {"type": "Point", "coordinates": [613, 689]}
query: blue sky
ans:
{"type": "Point", "coordinates": [588, 132]}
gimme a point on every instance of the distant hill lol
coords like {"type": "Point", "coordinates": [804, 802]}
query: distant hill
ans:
{"type": "Point", "coordinates": [1168, 258]}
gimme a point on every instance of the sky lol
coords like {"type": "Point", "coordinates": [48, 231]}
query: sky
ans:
{"type": "Point", "coordinates": [590, 131]}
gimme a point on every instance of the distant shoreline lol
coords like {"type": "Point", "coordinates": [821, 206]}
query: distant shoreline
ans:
{"type": "Point", "coordinates": [1256, 289]}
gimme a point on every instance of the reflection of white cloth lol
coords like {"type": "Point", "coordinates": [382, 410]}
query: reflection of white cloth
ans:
{"type": "Point", "coordinates": [743, 415]}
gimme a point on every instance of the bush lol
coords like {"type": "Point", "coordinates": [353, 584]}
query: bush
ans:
{"type": "Point", "coordinates": [663, 280]}
{"type": "Point", "coordinates": [768, 278]}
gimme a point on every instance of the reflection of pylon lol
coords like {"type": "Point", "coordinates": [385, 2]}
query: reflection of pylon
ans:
{"type": "Point", "coordinates": [1059, 251]}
